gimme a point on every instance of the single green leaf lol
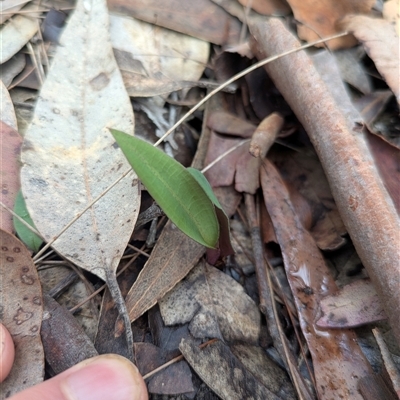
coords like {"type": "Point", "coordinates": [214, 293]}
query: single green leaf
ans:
{"type": "Point", "coordinates": [224, 243]}
{"type": "Point", "coordinates": [175, 190]}
{"type": "Point", "coordinates": [30, 239]}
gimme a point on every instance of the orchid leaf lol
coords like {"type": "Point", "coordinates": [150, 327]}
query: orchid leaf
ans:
{"type": "Point", "coordinates": [174, 188]}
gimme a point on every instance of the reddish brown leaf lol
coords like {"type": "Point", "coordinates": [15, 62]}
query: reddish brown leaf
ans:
{"type": "Point", "coordinates": [337, 359]}
{"type": "Point", "coordinates": [22, 311]}
{"type": "Point", "coordinates": [319, 18]}
{"type": "Point", "coordinates": [64, 341]}
{"type": "Point", "coordinates": [267, 7]}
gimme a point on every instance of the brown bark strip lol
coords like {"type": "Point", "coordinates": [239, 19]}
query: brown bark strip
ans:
{"type": "Point", "coordinates": [365, 206]}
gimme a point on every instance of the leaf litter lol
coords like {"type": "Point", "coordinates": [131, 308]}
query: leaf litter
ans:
{"type": "Point", "coordinates": [307, 197]}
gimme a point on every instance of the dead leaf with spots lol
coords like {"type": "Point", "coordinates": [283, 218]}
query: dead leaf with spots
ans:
{"type": "Point", "coordinates": [70, 158]}
{"type": "Point", "coordinates": [22, 310]}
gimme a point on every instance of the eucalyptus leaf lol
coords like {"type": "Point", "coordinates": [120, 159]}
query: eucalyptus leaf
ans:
{"type": "Point", "coordinates": [175, 190]}
{"type": "Point", "coordinates": [29, 238]}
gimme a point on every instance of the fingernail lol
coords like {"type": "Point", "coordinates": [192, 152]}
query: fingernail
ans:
{"type": "Point", "coordinates": [7, 353]}
{"type": "Point", "coordinates": [103, 378]}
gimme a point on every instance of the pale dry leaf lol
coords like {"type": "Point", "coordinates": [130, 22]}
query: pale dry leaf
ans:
{"type": "Point", "coordinates": [7, 112]}
{"type": "Point", "coordinates": [69, 157]}
{"type": "Point", "coordinates": [22, 310]}
{"type": "Point", "coordinates": [9, 8]}
{"type": "Point", "coordinates": [17, 32]}
{"type": "Point", "coordinates": [381, 43]}
{"type": "Point", "coordinates": [157, 54]}
{"type": "Point", "coordinates": [223, 372]}
{"type": "Point", "coordinates": [214, 304]}
{"type": "Point", "coordinates": [354, 305]}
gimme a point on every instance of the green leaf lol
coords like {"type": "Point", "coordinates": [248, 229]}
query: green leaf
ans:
{"type": "Point", "coordinates": [224, 243]}
{"type": "Point", "coordinates": [30, 239]}
{"type": "Point", "coordinates": [175, 190]}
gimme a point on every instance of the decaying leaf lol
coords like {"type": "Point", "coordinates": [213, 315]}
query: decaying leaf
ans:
{"type": "Point", "coordinates": [224, 373]}
{"type": "Point", "coordinates": [22, 311]}
{"type": "Point", "coordinates": [310, 279]}
{"type": "Point", "coordinates": [381, 43]}
{"type": "Point", "coordinates": [216, 305]}
{"type": "Point", "coordinates": [354, 305]}
{"type": "Point", "coordinates": [70, 158]}
{"type": "Point", "coordinates": [154, 58]}
{"type": "Point", "coordinates": [64, 341]}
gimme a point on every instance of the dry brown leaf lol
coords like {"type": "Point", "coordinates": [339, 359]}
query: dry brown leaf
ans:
{"type": "Point", "coordinates": [267, 7]}
{"type": "Point", "coordinates": [215, 305]}
{"type": "Point", "coordinates": [337, 359]}
{"type": "Point", "coordinates": [201, 19]}
{"type": "Point", "coordinates": [64, 341]}
{"type": "Point", "coordinates": [9, 172]}
{"type": "Point", "coordinates": [319, 18]}
{"type": "Point", "coordinates": [381, 43]}
{"type": "Point", "coordinates": [354, 305]}
{"type": "Point", "coordinates": [22, 311]}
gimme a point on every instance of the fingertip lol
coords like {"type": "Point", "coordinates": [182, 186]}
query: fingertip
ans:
{"type": "Point", "coordinates": [7, 352]}
{"type": "Point", "coordinates": [104, 377]}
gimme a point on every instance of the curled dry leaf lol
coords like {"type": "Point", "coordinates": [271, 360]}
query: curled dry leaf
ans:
{"type": "Point", "coordinates": [22, 311]}
{"type": "Point", "coordinates": [319, 18]}
{"type": "Point", "coordinates": [381, 43]}
{"type": "Point", "coordinates": [9, 172]}
{"type": "Point", "coordinates": [216, 305]}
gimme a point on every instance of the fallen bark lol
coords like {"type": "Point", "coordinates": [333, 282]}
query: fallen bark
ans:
{"type": "Point", "coordinates": [364, 204]}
